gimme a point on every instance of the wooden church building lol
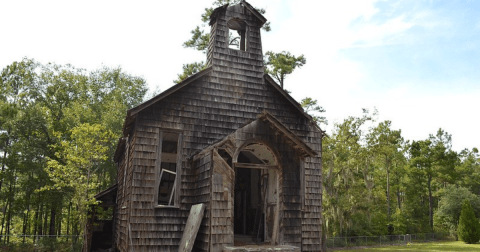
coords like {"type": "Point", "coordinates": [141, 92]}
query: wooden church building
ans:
{"type": "Point", "coordinates": [228, 137]}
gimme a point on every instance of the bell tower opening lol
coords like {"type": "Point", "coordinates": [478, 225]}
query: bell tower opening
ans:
{"type": "Point", "coordinates": [237, 38]}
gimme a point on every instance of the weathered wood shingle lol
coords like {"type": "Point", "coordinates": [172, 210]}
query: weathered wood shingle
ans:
{"type": "Point", "coordinates": [206, 108]}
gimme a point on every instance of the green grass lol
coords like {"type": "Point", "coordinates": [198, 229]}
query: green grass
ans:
{"type": "Point", "coordinates": [428, 247]}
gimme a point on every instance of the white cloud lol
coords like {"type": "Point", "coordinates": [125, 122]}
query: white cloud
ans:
{"type": "Point", "coordinates": [146, 39]}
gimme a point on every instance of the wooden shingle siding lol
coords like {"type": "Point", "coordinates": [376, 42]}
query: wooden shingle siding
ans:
{"type": "Point", "coordinates": [124, 181]}
{"type": "Point", "coordinates": [224, 101]}
{"type": "Point", "coordinates": [221, 204]}
{"type": "Point", "coordinates": [202, 189]}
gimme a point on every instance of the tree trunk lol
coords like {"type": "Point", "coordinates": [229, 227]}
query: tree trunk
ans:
{"type": "Point", "coordinates": [3, 218]}
{"type": "Point", "coordinates": [388, 194]}
{"type": "Point", "coordinates": [68, 219]}
{"type": "Point", "coordinates": [9, 211]}
{"type": "Point", "coordinates": [45, 220]}
{"type": "Point", "coordinates": [399, 199]}
{"type": "Point", "coordinates": [9, 220]}
{"type": "Point", "coordinates": [40, 220]}
{"type": "Point", "coordinates": [430, 202]}
{"type": "Point", "coordinates": [35, 221]}
{"type": "Point", "coordinates": [3, 162]}
{"type": "Point", "coordinates": [52, 221]}
{"type": "Point", "coordinates": [25, 219]}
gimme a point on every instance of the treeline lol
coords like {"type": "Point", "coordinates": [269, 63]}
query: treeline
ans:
{"type": "Point", "coordinates": [375, 182]}
{"type": "Point", "coordinates": [59, 127]}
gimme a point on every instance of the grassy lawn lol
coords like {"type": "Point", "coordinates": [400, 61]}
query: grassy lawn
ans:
{"type": "Point", "coordinates": [429, 247]}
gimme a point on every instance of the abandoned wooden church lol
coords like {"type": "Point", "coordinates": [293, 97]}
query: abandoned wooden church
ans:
{"type": "Point", "coordinates": [229, 138]}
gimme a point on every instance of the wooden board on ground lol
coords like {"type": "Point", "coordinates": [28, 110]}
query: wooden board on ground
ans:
{"type": "Point", "coordinates": [191, 228]}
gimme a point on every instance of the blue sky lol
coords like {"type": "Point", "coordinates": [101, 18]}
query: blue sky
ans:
{"type": "Point", "coordinates": [417, 62]}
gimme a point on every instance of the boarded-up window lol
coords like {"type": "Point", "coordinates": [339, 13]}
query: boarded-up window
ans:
{"type": "Point", "coordinates": [168, 165]}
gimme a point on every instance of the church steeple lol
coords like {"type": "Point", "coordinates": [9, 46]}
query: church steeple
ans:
{"type": "Point", "coordinates": [235, 36]}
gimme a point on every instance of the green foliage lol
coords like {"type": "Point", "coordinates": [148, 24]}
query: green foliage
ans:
{"type": "Point", "coordinates": [78, 159]}
{"type": "Point", "coordinates": [190, 69]}
{"type": "Point", "coordinates": [311, 107]}
{"type": "Point", "coordinates": [198, 41]}
{"type": "Point", "coordinates": [348, 185]}
{"type": "Point", "coordinates": [385, 146]}
{"type": "Point", "coordinates": [59, 127]}
{"type": "Point", "coordinates": [279, 65]}
{"type": "Point", "coordinates": [468, 170]}
{"type": "Point", "coordinates": [468, 226]}
{"type": "Point", "coordinates": [399, 222]}
{"type": "Point", "coordinates": [432, 164]}
{"type": "Point", "coordinates": [449, 208]}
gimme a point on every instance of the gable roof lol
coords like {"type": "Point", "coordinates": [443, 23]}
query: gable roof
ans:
{"type": "Point", "coordinates": [216, 12]}
{"type": "Point", "coordinates": [270, 80]}
{"type": "Point", "coordinates": [279, 126]}
{"type": "Point", "coordinates": [173, 89]}
{"type": "Point", "coordinates": [276, 126]}
{"type": "Point", "coordinates": [131, 113]}
{"type": "Point", "coordinates": [257, 14]}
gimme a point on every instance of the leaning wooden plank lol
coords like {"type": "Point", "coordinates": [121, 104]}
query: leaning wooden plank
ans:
{"type": "Point", "coordinates": [191, 228]}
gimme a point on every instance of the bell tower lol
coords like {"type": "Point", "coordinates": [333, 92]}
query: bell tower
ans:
{"type": "Point", "coordinates": [235, 46]}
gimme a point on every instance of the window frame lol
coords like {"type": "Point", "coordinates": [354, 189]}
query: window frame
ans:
{"type": "Point", "coordinates": [175, 196]}
{"type": "Point", "coordinates": [244, 38]}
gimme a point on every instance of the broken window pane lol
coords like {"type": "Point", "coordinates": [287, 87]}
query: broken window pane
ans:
{"type": "Point", "coordinates": [166, 188]}
{"type": "Point", "coordinates": [168, 166]}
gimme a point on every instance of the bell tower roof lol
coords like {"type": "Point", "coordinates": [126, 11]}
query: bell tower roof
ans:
{"type": "Point", "coordinates": [216, 12]}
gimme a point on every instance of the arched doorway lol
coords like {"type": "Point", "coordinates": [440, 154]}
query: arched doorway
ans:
{"type": "Point", "coordinates": [255, 194]}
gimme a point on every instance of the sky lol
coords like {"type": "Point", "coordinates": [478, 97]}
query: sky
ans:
{"type": "Point", "coordinates": [416, 62]}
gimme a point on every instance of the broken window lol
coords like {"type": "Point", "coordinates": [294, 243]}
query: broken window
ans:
{"type": "Point", "coordinates": [168, 164]}
{"type": "Point", "coordinates": [237, 34]}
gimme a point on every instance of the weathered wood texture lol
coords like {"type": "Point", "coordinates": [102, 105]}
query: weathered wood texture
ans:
{"type": "Point", "coordinates": [205, 111]}
{"type": "Point", "coordinates": [191, 228]}
{"type": "Point", "coordinates": [202, 172]}
{"type": "Point", "coordinates": [223, 180]}
{"type": "Point", "coordinates": [124, 181]}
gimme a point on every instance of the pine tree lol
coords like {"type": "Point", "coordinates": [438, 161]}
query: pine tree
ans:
{"type": "Point", "coordinates": [468, 227]}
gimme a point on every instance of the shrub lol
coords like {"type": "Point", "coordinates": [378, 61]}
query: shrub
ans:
{"type": "Point", "coordinates": [468, 227]}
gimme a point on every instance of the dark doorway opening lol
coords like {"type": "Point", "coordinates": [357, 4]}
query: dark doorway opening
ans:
{"type": "Point", "coordinates": [249, 213]}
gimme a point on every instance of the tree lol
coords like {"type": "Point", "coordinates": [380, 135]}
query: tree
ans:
{"type": "Point", "coordinates": [449, 207]}
{"type": "Point", "coordinates": [311, 107]}
{"type": "Point", "coordinates": [385, 144]}
{"type": "Point", "coordinates": [351, 204]}
{"type": "Point", "coordinates": [190, 69]}
{"type": "Point", "coordinates": [75, 169]}
{"type": "Point", "coordinates": [279, 65]}
{"type": "Point", "coordinates": [40, 106]}
{"type": "Point", "coordinates": [468, 227]}
{"type": "Point", "coordinates": [468, 170]}
{"type": "Point", "coordinates": [432, 163]}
